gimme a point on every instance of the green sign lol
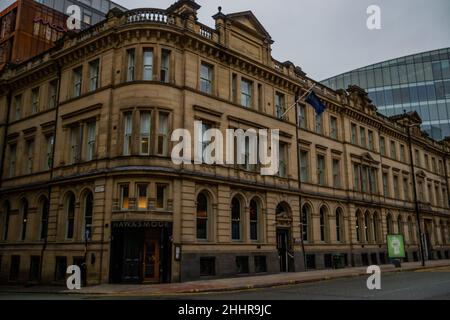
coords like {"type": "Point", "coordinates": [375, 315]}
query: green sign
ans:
{"type": "Point", "coordinates": [396, 246]}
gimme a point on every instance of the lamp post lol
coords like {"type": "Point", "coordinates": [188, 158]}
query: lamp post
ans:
{"type": "Point", "coordinates": [416, 203]}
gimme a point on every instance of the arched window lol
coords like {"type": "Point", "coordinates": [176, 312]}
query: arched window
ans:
{"type": "Point", "coordinates": [358, 226]}
{"type": "Point", "coordinates": [323, 224]}
{"type": "Point", "coordinates": [254, 217]}
{"type": "Point", "coordinates": [412, 238]}
{"type": "Point", "coordinates": [70, 211]}
{"type": "Point", "coordinates": [6, 213]}
{"type": "Point", "coordinates": [400, 224]}
{"type": "Point", "coordinates": [236, 221]}
{"type": "Point", "coordinates": [306, 211]}
{"type": "Point", "coordinates": [376, 227]}
{"type": "Point", "coordinates": [202, 216]}
{"type": "Point", "coordinates": [24, 209]}
{"type": "Point", "coordinates": [339, 224]}
{"type": "Point", "coordinates": [389, 223]}
{"type": "Point", "coordinates": [366, 227]}
{"type": "Point", "coordinates": [88, 210]}
{"type": "Point", "coordinates": [44, 218]}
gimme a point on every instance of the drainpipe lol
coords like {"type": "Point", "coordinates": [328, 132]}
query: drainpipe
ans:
{"type": "Point", "coordinates": [297, 137]}
{"type": "Point", "coordinates": [8, 112]}
{"type": "Point", "coordinates": [419, 227]}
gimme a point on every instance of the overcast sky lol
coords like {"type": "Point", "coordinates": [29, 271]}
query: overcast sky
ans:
{"type": "Point", "coordinates": [329, 37]}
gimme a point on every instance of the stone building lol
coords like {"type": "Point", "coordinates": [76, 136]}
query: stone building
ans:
{"type": "Point", "coordinates": [87, 177]}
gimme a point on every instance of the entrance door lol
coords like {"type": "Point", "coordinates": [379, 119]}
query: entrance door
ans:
{"type": "Point", "coordinates": [283, 249]}
{"type": "Point", "coordinates": [151, 260]}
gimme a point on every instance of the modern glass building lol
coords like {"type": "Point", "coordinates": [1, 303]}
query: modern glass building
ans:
{"type": "Point", "coordinates": [92, 11]}
{"type": "Point", "coordinates": [419, 82]}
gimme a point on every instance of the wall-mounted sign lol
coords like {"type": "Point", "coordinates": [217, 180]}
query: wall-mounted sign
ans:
{"type": "Point", "coordinates": [396, 246]}
{"type": "Point", "coordinates": [99, 189]}
{"type": "Point", "coordinates": [51, 25]}
{"type": "Point", "coordinates": [140, 224]}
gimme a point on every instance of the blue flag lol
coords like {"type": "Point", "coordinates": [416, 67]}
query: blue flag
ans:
{"type": "Point", "coordinates": [315, 102]}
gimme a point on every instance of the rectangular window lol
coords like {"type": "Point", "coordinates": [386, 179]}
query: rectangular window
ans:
{"type": "Point", "coordinates": [402, 153]}
{"type": "Point", "coordinates": [260, 97]}
{"type": "Point", "coordinates": [396, 186]}
{"type": "Point", "coordinates": [204, 140]}
{"type": "Point", "coordinates": [370, 137]}
{"type": "Point", "coordinates": [207, 266]}
{"type": "Point", "coordinates": [319, 123]}
{"type": "Point", "coordinates": [74, 144]}
{"type": "Point", "coordinates": [279, 104]}
{"type": "Point", "coordinates": [206, 78]}
{"type": "Point", "coordinates": [60, 268]}
{"type": "Point", "coordinates": [165, 66]}
{"type": "Point", "coordinates": [441, 167]}
{"type": "Point", "coordinates": [246, 93]}
{"type": "Point", "coordinates": [145, 132]}
{"type": "Point", "coordinates": [393, 150]}
{"type": "Point", "coordinates": [433, 163]}
{"type": "Point", "coordinates": [385, 184]}
{"type": "Point", "coordinates": [336, 173]}
{"type": "Point", "coordinates": [354, 133]}
{"type": "Point", "coordinates": [373, 180]}
{"type": "Point", "coordinates": [406, 195]}
{"type": "Point", "coordinates": [18, 107]}
{"type": "Point", "coordinates": [364, 179]}
{"type": "Point", "coordinates": [142, 190]}
{"type": "Point", "coordinates": [77, 76]}
{"type": "Point", "coordinates": [242, 265]}
{"type": "Point", "coordinates": [417, 158]}
{"type": "Point", "coordinates": [131, 64]}
{"type": "Point", "coordinates": [161, 196]}
{"type": "Point", "coordinates": [283, 164]}
{"type": "Point", "coordinates": [234, 88]}
{"type": "Point", "coordinates": [49, 152]}
{"type": "Point", "coordinates": [383, 146]}
{"type": "Point", "coordinates": [438, 198]}
{"type": "Point", "coordinates": [35, 100]}
{"type": "Point", "coordinates": [124, 197]}
{"type": "Point", "coordinates": [128, 130]}
{"type": "Point", "coordinates": [35, 262]}
{"type": "Point", "coordinates": [356, 177]}
{"type": "Point", "coordinates": [333, 127]}
{"type": "Point", "coordinates": [52, 94]}
{"type": "Point", "coordinates": [362, 137]}
{"type": "Point", "coordinates": [321, 170]}
{"type": "Point", "coordinates": [163, 134]}
{"type": "Point", "coordinates": [260, 264]}
{"type": "Point", "coordinates": [94, 69]}
{"type": "Point", "coordinates": [12, 160]}
{"type": "Point", "coordinates": [15, 268]}
{"type": "Point", "coordinates": [445, 199]}
{"type": "Point", "coordinates": [302, 122]}
{"type": "Point", "coordinates": [90, 143]}
{"type": "Point", "coordinates": [147, 65]}
{"type": "Point", "coordinates": [30, 154]}
{"type": "Point", "coordinates": [304, 166]}
{"type": "Point", "coordinates": [427, 161]}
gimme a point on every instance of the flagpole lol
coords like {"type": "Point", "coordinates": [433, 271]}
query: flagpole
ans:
{"type": "Point", "coordinates": [298, 100]}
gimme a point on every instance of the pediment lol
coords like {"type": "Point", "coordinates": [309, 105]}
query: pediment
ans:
{"type": "Point", "coordinates": [248, 21]}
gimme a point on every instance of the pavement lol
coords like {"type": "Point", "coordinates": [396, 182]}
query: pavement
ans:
{"type": "Point", "coordinates": [224, 285]}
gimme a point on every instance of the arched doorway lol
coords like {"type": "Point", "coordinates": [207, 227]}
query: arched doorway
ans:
{"type": "Point", "coordinates": [284, 237]}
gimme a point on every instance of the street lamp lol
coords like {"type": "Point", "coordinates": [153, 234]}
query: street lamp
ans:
{"type": "Point", "coordinates": [415, 189]}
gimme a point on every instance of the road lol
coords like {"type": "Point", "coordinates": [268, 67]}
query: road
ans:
{"type": "Point", "coordinates": [432, 284]}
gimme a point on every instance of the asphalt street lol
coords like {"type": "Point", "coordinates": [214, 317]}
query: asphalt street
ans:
{"type": "Point", "coordinates": [433, 284]}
